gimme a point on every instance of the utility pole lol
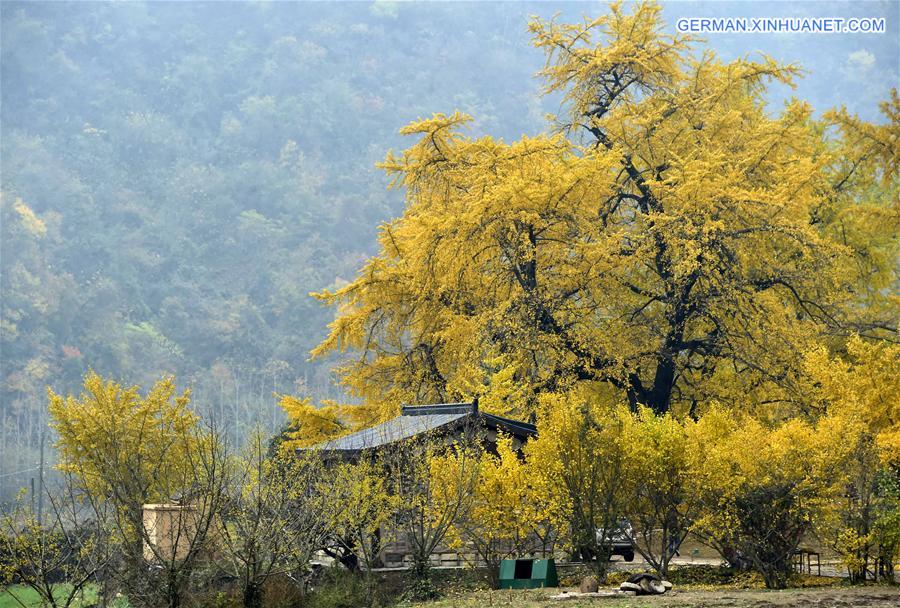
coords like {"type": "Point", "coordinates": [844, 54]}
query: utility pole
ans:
{"type": "Point", "coordinates": [40, 512]}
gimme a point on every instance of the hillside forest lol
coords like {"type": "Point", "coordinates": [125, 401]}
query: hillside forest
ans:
{"type": "Point", "coordinates": [178, 179]}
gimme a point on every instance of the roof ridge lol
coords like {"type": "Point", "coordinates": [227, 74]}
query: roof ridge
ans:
{"type": "Point", "coordinates": [439, 408]}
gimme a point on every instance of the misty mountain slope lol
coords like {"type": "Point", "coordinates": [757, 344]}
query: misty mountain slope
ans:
{"type": "Point", "coordinates": [177, 177]}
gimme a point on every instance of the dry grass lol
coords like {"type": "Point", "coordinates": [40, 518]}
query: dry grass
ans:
{"type": "Point", "coordinates": [820, 597]}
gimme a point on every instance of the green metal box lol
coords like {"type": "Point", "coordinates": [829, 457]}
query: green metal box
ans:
{"type": "Point", "coordinates": [528, 573]}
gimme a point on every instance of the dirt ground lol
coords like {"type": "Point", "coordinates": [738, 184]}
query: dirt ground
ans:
{"type": "Point", "coordinates": [824, 597]}
{"type": "Point", "coordinates": [831, 597]}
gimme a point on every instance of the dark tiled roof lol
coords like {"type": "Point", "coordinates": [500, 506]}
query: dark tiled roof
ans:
{"type": "Point", "coordinates": [401, 427]}
{"type": "Point", "coordinates": [418, 419]}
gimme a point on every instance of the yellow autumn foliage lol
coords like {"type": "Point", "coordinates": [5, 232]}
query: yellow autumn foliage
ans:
{"type": "Point", "coordinates": [578, 465]}
{"type": "Point", "coordinates": [361, 508]}
{"type": "Point", "coordinates": [124, 444]}
{"type": "Point", "coordinates": [857, 395]}
{"type": "Point", "coordinates": [508, 514]}
{"type": "Point", "coordinates": [765, 486]}
{"type": "Point", "coordinates": [309, 425]}
{"type": "Point", "coordinates": [664, 458]}
{"type": "Point", "coordinates": [32, 223]}
{"type": "Point", "coordinates": [863, 385]}
{"type": "Point", "coordinates": [673, 238]}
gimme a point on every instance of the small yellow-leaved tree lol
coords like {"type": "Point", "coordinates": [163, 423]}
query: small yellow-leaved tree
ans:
{"type": "Point", "coordinates": [126, 448]}
{"type": "Point", "coordinates": [434, 483]}
{"type": "Point", "coordinates": [764, 487]}
{"type": "Point", "coordinates": [272, 519]}
{"type": "Point", "coordinates": [579, 461]}
{"type": "Point", "coordinates": [859, 396]}
{"type": "Point", "coordinates": [67, 542]}
{"type": "Point", "coordinates": [507, 517]}
{"type": "Point", "coordinates": [361, 509]}
{"type": "Point", "coordinates": [662, 457]}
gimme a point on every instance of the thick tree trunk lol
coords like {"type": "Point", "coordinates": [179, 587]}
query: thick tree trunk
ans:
{"type": "Point", "coordinates": [253, 596]}
{"type": "Point", "coordinates": [775, 571]}
{"type": "Point", "coordinates": [173, 592]}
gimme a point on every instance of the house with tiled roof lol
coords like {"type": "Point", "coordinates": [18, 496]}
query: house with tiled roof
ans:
{"type": "Point", "coordinates": [447, 421]}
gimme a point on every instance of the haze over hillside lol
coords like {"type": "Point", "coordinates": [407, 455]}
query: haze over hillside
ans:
{"type": "Point", "coordinates": [177, 177]}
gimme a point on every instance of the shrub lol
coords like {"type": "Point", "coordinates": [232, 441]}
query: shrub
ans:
{"type": "Point", "coordinates": [764, 486]}
{"type": "Point", "coordinates": [281, 592]}
{"type": "Point", "coordinates": [341, 589]}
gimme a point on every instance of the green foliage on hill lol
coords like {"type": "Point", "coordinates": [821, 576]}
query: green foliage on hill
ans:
{"type": "Point", "coordinates": [177, 178]}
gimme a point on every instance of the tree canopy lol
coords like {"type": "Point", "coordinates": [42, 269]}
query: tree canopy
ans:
{"type": "Point", "coordinates": [672, 242]}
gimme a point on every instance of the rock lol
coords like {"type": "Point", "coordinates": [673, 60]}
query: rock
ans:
{"type": "Point", "coordinates": [589, 584]}
{"type": "Point", "coordinates": [626, 586]}
{"type": "Point", "coordinates": [667, 585]}
{"type": "Point", "coordinates": [647, 584]}
{"type": "Point", "coordinates": [652, 586]}
{"type": "Point", "coordinates": [628, 593]}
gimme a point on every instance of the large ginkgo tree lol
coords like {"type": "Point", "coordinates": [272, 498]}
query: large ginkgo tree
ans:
{"type": "Point", "coordinates": [671, 240]}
